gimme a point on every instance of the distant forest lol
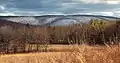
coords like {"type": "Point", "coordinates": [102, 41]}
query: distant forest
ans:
{"type": "Point", "coordinates": [28, 38]}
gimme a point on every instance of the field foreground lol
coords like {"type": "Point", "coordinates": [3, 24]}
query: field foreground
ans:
{"type": "Point", "coordinates": [68, 54]}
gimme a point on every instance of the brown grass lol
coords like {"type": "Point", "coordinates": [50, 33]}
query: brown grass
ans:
{"type": "Point", "coordinates": [72, 54]}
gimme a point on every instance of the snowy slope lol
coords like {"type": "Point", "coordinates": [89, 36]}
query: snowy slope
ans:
{"type": "Point", "coordinates": [56, 19]}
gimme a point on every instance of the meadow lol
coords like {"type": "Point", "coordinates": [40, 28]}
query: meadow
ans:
{"type": "Point", "coordinates": [68, 54]}
{"type": "Point", "coordinates": [93, 42]}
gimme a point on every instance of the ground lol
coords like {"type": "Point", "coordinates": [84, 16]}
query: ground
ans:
{"type": "Point", "coordinates": [68, 54]}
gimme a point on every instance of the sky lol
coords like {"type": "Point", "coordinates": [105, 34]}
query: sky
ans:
{"type": "Point", "coordinates": [59, 7]}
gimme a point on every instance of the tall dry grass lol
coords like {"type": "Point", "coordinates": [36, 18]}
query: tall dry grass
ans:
{"type": "Point", "coordinates": [78, 54]}
{"type": "Point", "coordinates": [36, 39]}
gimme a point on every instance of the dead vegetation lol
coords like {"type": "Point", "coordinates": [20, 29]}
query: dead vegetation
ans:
{"type": "Point", "coordinates": [79, 54]}
{"type": "Point", "coordinates": [93, 42]}
{"type": "Point", "coordinates": [30, 39]}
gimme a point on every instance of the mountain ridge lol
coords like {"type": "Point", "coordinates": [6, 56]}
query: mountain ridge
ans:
{"type": "Point", "coordinates": [47, 19]}
{"type": "Point", "coordinates": [66, 15]}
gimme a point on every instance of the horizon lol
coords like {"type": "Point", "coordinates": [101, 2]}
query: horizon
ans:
{"type": "Point", "coordinates": [57, 15]}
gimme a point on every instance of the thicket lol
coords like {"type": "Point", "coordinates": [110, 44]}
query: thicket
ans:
{"type": "Point", "coordinates": [32, 39]}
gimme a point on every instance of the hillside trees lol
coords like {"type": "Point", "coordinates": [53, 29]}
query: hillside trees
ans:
{"type": "Point", "coordinates": [8, 40]}
{"type": "Point", "coordinates": [96, 31]}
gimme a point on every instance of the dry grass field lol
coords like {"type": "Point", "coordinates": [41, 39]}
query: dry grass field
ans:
{"type": "Point", "coordinates": [68, 54]}
{"type": "Point", "coordinates": [95, 42]}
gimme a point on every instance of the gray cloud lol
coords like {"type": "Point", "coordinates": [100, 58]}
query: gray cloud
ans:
{"type": "Point", "coordinates": [43, 7]}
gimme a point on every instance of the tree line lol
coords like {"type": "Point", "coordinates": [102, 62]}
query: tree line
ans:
{"type": "Point", "coordinates": [36, 39]}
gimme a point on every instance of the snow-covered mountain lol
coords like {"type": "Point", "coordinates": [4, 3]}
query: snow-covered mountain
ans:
{"type": "Point", "coordinates": [56, 19]}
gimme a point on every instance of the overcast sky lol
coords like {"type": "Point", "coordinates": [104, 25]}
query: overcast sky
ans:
{"type": "Point", "coordinates": [45, 7]}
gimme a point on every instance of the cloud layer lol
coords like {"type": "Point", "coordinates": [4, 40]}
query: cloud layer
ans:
{"type": "Point", "coordinates": [45, 7]}
{"type": "Point", "coordinates": [99, 1]}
